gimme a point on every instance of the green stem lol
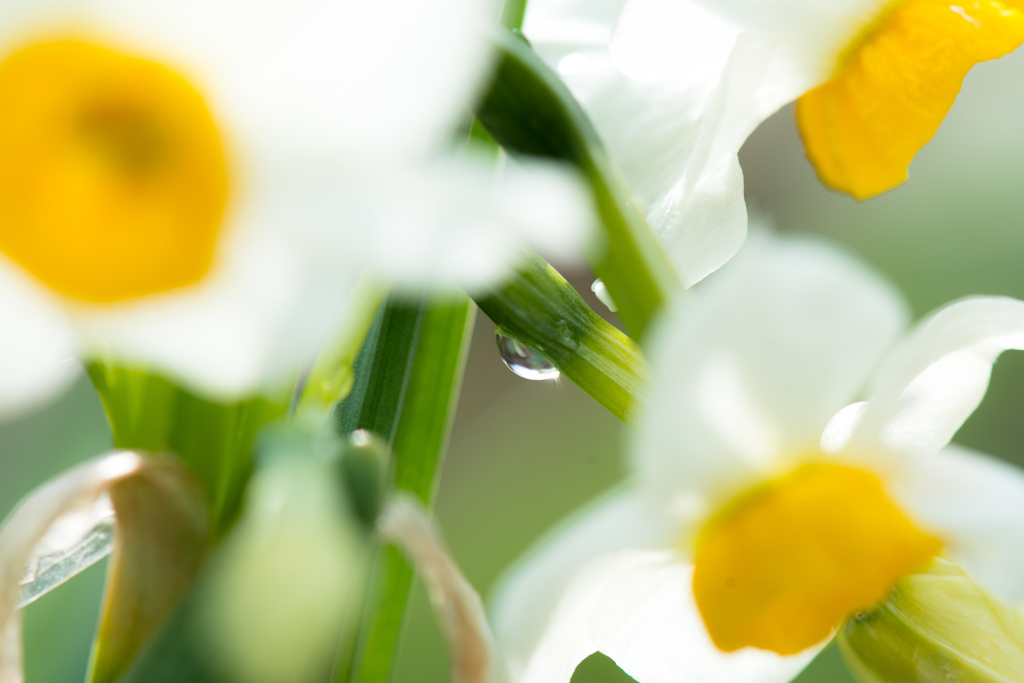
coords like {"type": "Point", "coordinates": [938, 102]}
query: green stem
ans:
{"type": "Point", "coordinates": [541, 310]}
{"type": "Point", "coordinates": [330, 379]}
{"type": "Point", "coordinates": [150, 413]}
{"type": "Point", "coordinates": [381, 371]}
{"type": "Point", "coordinates": [420, 443]}
{"type": "Point", "coordinates": [512, 14]}
{"type": "Point", "coordinates": [528, 110]}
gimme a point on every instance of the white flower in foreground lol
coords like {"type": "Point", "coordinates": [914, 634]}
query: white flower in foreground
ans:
{"type": "Point", "coordinates": [194, 186]}
{"type": "Point", "coordinates": [762, 512]}
{"type": "Point", "coordinates": [675, 87]}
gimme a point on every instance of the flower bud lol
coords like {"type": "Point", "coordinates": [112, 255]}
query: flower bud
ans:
{"type": "Point", "coordinates": [287, 583]}
{"type": "Point", "coordinates": [936, 626]}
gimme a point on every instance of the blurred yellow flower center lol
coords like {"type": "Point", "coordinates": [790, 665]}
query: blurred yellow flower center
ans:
{"type": "Point", "coordinates": [895, 85]}
{"type": "Point", "coordinates": [113, 180]}
{"type": "Point", "coordinates": [780, 567]}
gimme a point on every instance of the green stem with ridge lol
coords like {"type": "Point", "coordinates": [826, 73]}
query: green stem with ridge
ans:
{"type": "Point", "coordinates": [541, 310]}
{"type": "Point", "coordinates": [529, 111]}
{"type": "Point", "coordinates": [420, 442]}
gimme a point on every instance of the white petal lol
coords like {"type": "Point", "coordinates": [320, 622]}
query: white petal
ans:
{"type": "Point", "coordinates": [637, 607]}
{"type": "Point", "coordinates": [526, 597]}
{"type": "Point", "coordinates": [840, 428]}
{"type": "Point", "coordinates": [975, 504]}
{"type": "Point", "coordinates": [702, 226]}
{"type": "Point", "coordinates": [294, 246]}
{"type": "Point", "coordinates": [457, 224]}
{"type": "Point", "coordinates": [761, 76]}
{"type": "Point", "coordinates": [701, 216]}
{"type": "Point", "coordinates": [557, 28]}
{"type": "Point", "coordinates": [390, 76]}
{"type": "Point", "coordinates": [934, 379]}
{"type": "Point", "coordinates": [824, 28]}
{"type": "Point", "coordinates": [647, 104]}
{"type": "Point", "coordinates": [672, 41]}
{"type": "Point", "coordinates": [37, 344]}
{"type": "Point", "coordinates": [749, 370]}
{"type": "Point", "coordinates": [216, 337]}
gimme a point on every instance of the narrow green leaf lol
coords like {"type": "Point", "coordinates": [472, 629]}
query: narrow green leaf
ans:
{"type": "Point", "coordinates": [529, 111]}
{"type": "Point", "coordinates": [159, 547]}
{"type": "Point", "coordinates": [381, 371]}
{"type": "Point", "coordinates": [541, 310]}
{"type": "Point", "coordinates": [434, 385]}
{"type": "Point", "coordinates": [419, 448]}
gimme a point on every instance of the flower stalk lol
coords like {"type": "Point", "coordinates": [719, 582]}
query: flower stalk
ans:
{"type": "Point", "coordinates": [421, 439]}
{"type": "Point", "coordinates": [541, 310]}
{"type": "Point", "coordinates": [529, 111]}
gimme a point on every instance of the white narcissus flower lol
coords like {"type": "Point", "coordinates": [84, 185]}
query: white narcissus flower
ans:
{"type": "Point", "coordinates": [194, 186]}
{"type": "Point", "coordinates": [651, 125]}
{"type": "Point", "coordinates": [762, 512]}
{"type": "Point", "coordinates": [675, 87]}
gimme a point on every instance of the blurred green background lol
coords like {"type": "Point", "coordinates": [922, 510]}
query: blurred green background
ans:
{"type": "Point", "coordinates": [524, 454]}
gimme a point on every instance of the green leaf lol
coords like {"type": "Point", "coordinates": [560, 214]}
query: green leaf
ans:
{"type": "Point", "coordinates": [541, 310]}
{"type": "Point", "coordinates": [528, 110]}
{"type": "Point", "coordinates": [419, 447]}
{"type": "Point", "coordinates": [150, 413]}
{"type": "Point", "coordinates": [381, 370]}
{"type": "Point", "coordinates": [159, 547]}
{"type": "Point", "coordinates": [935, 627]}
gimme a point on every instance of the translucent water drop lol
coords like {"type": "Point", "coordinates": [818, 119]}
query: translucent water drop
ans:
{"type": "Point", "coordinates": [75, 543]}
{"type": "Point", "coordinates": [601, 292]}
{"type": "Point", "coordinates": [524, 361]}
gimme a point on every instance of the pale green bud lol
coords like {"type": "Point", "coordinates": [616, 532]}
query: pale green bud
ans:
{"type": "Point", "coordinates": [937, 626]}
{"type": "Point", "coordinates": [288, 580]}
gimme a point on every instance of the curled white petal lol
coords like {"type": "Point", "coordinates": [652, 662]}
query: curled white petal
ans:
{"type": "Point", "coordinates": [935, 378]}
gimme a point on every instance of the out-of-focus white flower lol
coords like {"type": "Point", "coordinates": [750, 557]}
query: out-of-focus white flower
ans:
{"type": "Point", "coordinates": [761, 512]}
{"type": "Point", "coordinates": [195, 186]}
{"type": "Point", "coordinates": [675, 87]}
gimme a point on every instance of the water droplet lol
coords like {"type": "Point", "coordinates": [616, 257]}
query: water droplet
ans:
{"type": "Point", "coordinates": [601, 292]}
{"type": "Point", "coordinates": [523, 360]}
